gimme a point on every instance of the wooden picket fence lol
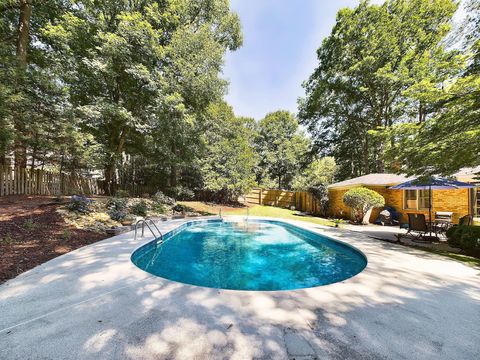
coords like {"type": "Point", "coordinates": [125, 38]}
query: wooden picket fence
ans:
{"type": "Point", "coordinates": [301, 200]}
{"type": "Point", "coordinates": [21, 181]}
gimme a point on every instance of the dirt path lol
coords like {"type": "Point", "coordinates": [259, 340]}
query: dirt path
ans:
{"type": "Point", "coordinates": [32, 232]}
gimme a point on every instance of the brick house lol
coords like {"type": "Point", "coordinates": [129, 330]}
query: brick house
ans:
{"type": "Point", "coordinates": [459, 201]}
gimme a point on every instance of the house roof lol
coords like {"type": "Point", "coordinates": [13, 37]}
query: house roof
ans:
{"type": "Point", "coordinates": [372, 180]}
{"type": "Point", "coordinates": [465, 175]}
{"type": "Point", "coordinates": [468, 174]}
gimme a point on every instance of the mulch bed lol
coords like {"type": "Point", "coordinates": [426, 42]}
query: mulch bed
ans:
{"type": "Point", "coordinates": [32, 232]}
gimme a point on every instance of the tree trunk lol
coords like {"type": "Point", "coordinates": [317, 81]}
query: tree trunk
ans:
{"type": "Point", "coordinates": [23, 38]}
{"type": "Point", "coordinates": [23, 32]}
{"type": "Point", "coordinates": [109, 177]}
{"type": "Point", "coordinates": [109, 186]}
{"type": "Point", "coordinates": [173, 168]}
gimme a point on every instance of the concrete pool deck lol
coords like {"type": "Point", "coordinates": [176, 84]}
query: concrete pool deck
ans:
{"type": "Point", "coordinates": [93, 303]}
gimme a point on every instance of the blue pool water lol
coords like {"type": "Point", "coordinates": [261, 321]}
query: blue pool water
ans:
{"type": "Point", "coordinates": [253, 255]}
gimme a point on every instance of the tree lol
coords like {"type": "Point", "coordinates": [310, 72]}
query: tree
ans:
{"type": "Point", "coordinates": [450, 138]}
{"type": "Point", "coordinates": [374, 54]}
{"type": "Point", "coordinates": [281, 146]}
{"type": "Point", "coordinates": [362, 200]}
{"type": "Point", "coordinates": [319, 171]}
{"type": "Point", "coordinates": [31, 99]}
{"type": "Point", "coordinates": [228, 165]}
{"type": "Point", "coordinates": [315, 178]}
{"type": "Point", "coordinates": [137, 67]}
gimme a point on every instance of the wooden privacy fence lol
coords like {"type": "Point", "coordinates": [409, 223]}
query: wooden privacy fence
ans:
{"type": "Point", "coordinates": [21, 181]}
{"type": "Point", "coordinates": [301, 200]}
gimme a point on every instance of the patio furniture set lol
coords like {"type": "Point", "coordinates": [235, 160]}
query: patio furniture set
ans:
{"type": "Point", "coordinates": [418, 227]}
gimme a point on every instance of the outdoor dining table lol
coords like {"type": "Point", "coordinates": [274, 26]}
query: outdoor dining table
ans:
{"type": "Point", "coordinates": [439, 226]}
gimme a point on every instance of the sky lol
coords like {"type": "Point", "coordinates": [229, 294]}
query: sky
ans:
{"type": "Point", "coordinates": [278, 53]}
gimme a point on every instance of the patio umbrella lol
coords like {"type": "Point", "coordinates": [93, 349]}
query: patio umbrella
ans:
{"type": "Point", "coordinates": [431, 183]}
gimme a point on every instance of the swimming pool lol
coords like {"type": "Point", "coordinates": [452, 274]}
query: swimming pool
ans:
{"type": "Point", "coordinates": [249, 255]}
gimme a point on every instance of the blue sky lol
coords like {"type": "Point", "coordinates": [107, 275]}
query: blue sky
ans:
{"type": "Point", "coordinates": [279, 52]}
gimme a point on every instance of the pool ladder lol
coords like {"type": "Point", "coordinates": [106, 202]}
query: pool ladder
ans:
{"type": "Point", "coordinates": [144, 222]}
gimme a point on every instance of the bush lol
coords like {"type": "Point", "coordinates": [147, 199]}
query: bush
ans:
{"type": "Point", "coordinates": [140, 208]}
{"type": "Point", "coordinates": [162, 199]}
{"type": "Point", "coordinates": [80, 203]}
{"type": "Point", "coordinates": [320, 193]}
{"type": "Point", "coordinates": [466, 238]}
{"type": "Point", "coordinates": [122, 194]}
{"type": "Point", "coordinates": [117, 208]}
{"type": "Point", "coordinates": [180, 208]}
{"type": "Point", "coordinates": [361, 200]}
{"type": "Point", "coordinates": [454, 237]}
{"type": "Point", "coordinates": [181, 193]}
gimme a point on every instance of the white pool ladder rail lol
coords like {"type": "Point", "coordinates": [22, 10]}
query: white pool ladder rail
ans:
{"type": "Point", "coordinates": [144, 222]}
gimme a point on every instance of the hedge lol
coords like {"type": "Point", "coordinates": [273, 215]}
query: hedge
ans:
{"type": "Point", "coordinates": [466, 238]}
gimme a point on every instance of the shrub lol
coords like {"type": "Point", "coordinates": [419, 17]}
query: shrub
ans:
{"type": "Point", "coordinates": [180, 208]}
{"type": "Point", "coordinates": [181, 193]}
{"type": "Point", "coordinates": [140, 208]}
{"type": "Point", "coordinates": [80, 203]}
{"type": "Point", "coordinates": [465, 237]}
{"type": "Point", "coordinates": [117, 208]}
{"type": "Point", "coordinates": [361, 200]}
{"type": "Point", "coordinates": [320, 193]}
{"type": "Point", "coordinates": [453, 236]}
{"type": "Point", "coordinates": [122, 194]}
{"type": "Point", "coordinates": [162, 199]}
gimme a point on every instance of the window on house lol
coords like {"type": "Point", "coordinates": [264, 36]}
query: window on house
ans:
{"type": "Point", "coordinates": [410, 201]}
{"type": "Point", "coordinates": [416, 199]}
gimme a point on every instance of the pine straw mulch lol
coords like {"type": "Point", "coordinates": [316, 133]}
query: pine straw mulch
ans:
{"type": "Point", "coordinates": [32, 232]}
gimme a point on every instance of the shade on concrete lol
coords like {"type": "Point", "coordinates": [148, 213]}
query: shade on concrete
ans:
{"type": "Point", "coordinates": [93, 303]}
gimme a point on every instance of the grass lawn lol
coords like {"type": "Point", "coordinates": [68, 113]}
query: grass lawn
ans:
{"type": "Point", "coordinates": [255, 210]}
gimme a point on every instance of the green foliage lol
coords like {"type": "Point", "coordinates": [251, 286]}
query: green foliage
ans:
{"type": "Point", "coordinates": [67, 234]}
{"type": "Point", "coordinates": [315, 178]}
{"type": "Point", "coordinates": [122, 194]}
{"type": "Point", "coordinates": [80, 203]}
{"type": "Point", "coordinates": [114, 83]}
{"type": "Point", "coordinates": [361, 200]}
{"type": "Point", "coordinates": [8, 239]}
{"type": "Point", "coordinates": [381, 65]}
{"type": "Point", "coordinates": [162, 199]}
{"type": "Point", "coordinates": [282, 148]}
{"type": "Point", "coordinates": [432, 146]}
{"type": "Point", "coordinates": [30, 225]}
{"type": "Point", "coordinates": [466, 237]}
{"type": "Point", "coordinates": [180, 192]}
{"type": "Point", "coordinates": [229, 163]}
{"type": "Point", "coordinates": [318, 172]}
{"type": "Point", "coordinates": [117, 208]}
{"type": "Point", "coordinates": [179, 208]}
{"type": "Point", "coordinates": [140, 208]}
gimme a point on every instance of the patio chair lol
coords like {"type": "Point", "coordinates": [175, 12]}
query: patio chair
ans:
{"type": "Point", "coordinates": [417, 228]}
{"type": "Point", "coordinates": [466, 220]}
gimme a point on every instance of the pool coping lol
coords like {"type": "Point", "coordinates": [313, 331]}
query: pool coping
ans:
{"type": "Point", "coordinates": [399, 287]}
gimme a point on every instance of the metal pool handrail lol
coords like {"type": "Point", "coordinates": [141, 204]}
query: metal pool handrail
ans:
{"type": "Point", "coordinates": [144, 222]}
